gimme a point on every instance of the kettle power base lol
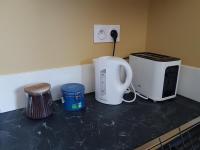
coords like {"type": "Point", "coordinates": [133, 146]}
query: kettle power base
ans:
{"type": "Point", "coordinates": [129, 96]}
{"type": "Point", "coordinates": [106, 102]}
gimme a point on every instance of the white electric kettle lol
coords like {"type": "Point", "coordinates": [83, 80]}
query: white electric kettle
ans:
{"type": "Point", "coordinates": [109, 88]}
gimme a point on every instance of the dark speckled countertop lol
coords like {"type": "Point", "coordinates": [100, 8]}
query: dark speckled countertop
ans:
{"type": "Point", "coordinates": [98, 127]}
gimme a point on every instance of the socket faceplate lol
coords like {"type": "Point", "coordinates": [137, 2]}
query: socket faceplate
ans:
{"type": "Point", "coordinates": [102, 33]}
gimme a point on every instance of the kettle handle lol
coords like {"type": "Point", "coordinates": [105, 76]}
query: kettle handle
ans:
{"type": "Point", "coordinates": [129, 75]}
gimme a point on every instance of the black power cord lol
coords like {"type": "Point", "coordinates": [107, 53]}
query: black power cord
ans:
{"type": "Point", "coordinates": [114, 35]}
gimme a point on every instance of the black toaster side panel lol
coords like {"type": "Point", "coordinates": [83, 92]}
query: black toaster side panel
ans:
{"type": "Point", "coordinates": [170, 81]}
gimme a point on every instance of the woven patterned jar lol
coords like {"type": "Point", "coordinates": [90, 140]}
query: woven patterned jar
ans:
{"type": "Point", "coordinates": [39, 103]}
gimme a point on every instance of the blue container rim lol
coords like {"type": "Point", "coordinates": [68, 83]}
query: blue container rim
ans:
{"type": "Point", "coordinates": [72, 88]}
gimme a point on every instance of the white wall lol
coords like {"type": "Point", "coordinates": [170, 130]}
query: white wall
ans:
{"type": "Point", "coordinates": [189, 82]}
{"type": "Point", "coordinates": [12, 94]}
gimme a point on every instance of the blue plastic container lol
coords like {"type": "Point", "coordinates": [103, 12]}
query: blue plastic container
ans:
{"type": "Point", "coordinates": [73, 95]}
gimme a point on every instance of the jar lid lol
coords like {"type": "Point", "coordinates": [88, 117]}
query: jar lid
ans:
{"type": "Point", "coordinates": [73, 87]}
{"type": "Point", "coordinates": [37, 89]}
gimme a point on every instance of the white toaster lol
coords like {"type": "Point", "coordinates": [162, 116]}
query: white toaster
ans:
{"type": "Point", "coordinates": [155, 76]}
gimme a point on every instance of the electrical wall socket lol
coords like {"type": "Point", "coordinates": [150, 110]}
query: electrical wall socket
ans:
{"type": "Point", "coordinates": [102, 33]}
